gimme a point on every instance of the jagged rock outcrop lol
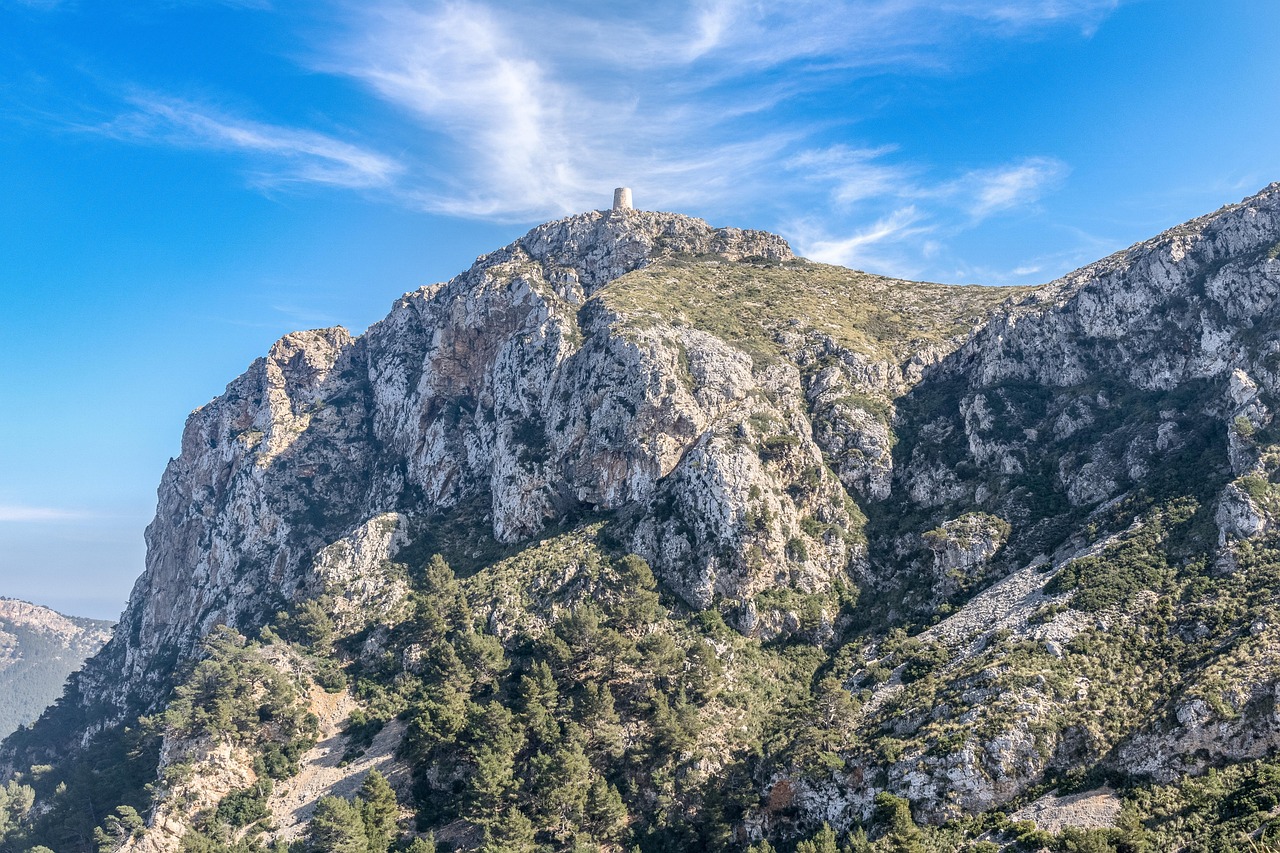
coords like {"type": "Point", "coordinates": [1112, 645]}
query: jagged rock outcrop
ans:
{"type": "Point", "coordinates": [962, 548]}
{"type": "Point", "coordinates": [503, 386]}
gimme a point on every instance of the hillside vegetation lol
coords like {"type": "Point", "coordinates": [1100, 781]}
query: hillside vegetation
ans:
{"type": "Point", "coordinates": [642, 535]}
{"type": "Point", "coordinates": [38, 650]}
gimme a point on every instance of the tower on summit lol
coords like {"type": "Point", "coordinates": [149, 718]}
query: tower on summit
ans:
{"type": "Point", "coordinates": [622, 198]}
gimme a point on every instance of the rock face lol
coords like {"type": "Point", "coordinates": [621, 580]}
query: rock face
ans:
{"type": "Point", "coordinates": [39, 648]}
{"type": "Point", "coordinates": [777, 438]}
{"type": "Point", "coordinates": [509, 393]}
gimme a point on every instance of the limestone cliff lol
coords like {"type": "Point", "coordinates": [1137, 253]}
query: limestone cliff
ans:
{"type": "Point", "coordinates": [1015, 534]}
{"type": "Point", "coordinates": [517, 397]}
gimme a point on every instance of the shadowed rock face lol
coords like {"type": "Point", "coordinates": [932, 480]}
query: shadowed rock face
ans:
{"type": "Point", "coordinates": [749, 423]}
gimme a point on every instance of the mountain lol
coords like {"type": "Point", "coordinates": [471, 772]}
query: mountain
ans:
{"type": "Point", "coordinates": [643, 533]}
{"type": "Point", "coordinates": [39, 648]}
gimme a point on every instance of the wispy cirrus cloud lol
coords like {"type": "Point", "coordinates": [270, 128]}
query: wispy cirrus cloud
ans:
{"type": "Point", "coordinates": [280, 154]}
{"type": "Point", "coordinates": [922, 203]}
{"type": "Point", "coordinates": [985, 192]}
{"type": "Point", "coordinates": [851, 175]}
{"type": "Point", "coordinates": [518, 137]}
{"type": "Point", "coordinates": [20, 513]}
{"type": "Point", "coordinates": [533, 111]}
{"type": "Point", "coordinates": [870, 246]}
{"type": "Point", "coordinates": [513, 111]}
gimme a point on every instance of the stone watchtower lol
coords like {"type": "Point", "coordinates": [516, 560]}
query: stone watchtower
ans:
{"type": "Point", "coordinates": [622, 198]}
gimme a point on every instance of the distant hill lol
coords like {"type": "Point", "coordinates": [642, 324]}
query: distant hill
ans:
{"type": "Point", "coordinates": [39, 648]}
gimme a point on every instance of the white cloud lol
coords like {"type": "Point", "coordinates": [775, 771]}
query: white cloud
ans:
{"type": "Point", "coordinates": [536, 112]}
{"type": "Point", "coordinates": [13, 512]}
{"type": "Point", "coordinates": [865, 247]}
{"type": "Point", "coordinates": [283, 154]}
{"type": "Point", "coordinates": [990, 191]}
{"type": "Point", "coordinates": [514, 111]}
{"type": "Point", "coordinates": [515, 136]}
{"type": "Point", "coordinates": [852, 174]}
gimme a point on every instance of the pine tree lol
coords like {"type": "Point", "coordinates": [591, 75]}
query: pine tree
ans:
{"type": "Point", "coordinates": [599, 718]}
{"type": "Point", "coordinates": [484, 657]}
{"type": "Point", "coordinates": [639, 606]}
{"type": "Point", "coordinates": [118, 828]}
{"type": "Point", "coordinates": [512, 832]}
{"type": "Point", "coordinates": [903, 835]}
{"type": "Point", "coordinates": [442, 608]}
{"type": "Point", "coordinates": [379, 810]}
{"type": "Point", "coordinates": [314, 626]}
{"type": "Point", "coordinates": [606, 812]}
{"type": "Point", "coordinates": [560, 780]}
{"type": "Point", "coordinates": [538, 697]}
{"type": "Point", "coordinates": [423, 845]}
{"type": "Point", "coordinates": [15, 803]}
{"type": "Point", "coordinates": [336, 827]}
{"type": "Point", "coordinates": [824, 841]}
{"type": "Point", "coordinates": [491, 785]}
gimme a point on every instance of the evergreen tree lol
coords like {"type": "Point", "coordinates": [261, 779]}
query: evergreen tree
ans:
{"type": "Point", "coordinates": [538, 698]}
{"type": "Point", "coordinates": [824, 841]}
{"type": "Point", "coordinates": [442, 608]}
{"type": "Point", "coordinates": [638, 606]}
{"type": "Point", "coordinates": [492, 784]}
{"type": "Point", "coordinates": [484, 657]}
{"type": "Point", "coordinates": [336, 827]}
{"type": "Point", "coordinates": [313, 625]}
{"type": "Point", "coordinates": [903, 835]}
{"type": "Point", "coordinates": [15, 803]}
{"type": "Point", "coordinates": [512, 832]}
{"type": "Point", "coordinates": [606, 813]}
{"type": "Point", "coordinates": [560, 779]}
{"type": "Point", "coordinates": [379, 810]}
{"type": "Point", "coordinates": [598, 715]}
{"type": "Point", "coordinates": [494, 726]}
{"type": "Point", "coordinates": [423, 845]}
{"type": "Point", "coordinates": [118, 828]}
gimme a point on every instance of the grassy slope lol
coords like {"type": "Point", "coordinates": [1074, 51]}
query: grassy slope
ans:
{"type": "Point", "coordinates": [746, 305]}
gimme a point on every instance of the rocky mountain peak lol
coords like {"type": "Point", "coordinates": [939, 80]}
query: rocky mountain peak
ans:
{"type": "Point", "coordinates": [598, 246]}
{"type": "Point", "coordinates": [1074, 485]}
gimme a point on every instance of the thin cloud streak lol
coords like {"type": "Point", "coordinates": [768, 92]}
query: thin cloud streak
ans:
{"type": "Point", "coordinates": [284, 154]}
{"type": "Point", "coordinates": [865, 247]}
{"type": "Point", "coordinates": [18, 513]}
{"type": "Point", "coordinates": [991, 191]}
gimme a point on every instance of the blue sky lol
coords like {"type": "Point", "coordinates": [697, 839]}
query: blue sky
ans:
{"type": "Point", "coordinates": [185, 181]}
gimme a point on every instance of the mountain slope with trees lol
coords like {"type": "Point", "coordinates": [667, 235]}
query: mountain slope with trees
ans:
{"type": "Point", "coordinates": [645, 534]}
{"type": "Point", "coordinates": [39, 648]}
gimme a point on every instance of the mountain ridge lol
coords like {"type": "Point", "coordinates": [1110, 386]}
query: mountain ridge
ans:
{"type": "Point", "coordinates": [39, 648]}
{"type": "Point", "coordinates": [944, 529]}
